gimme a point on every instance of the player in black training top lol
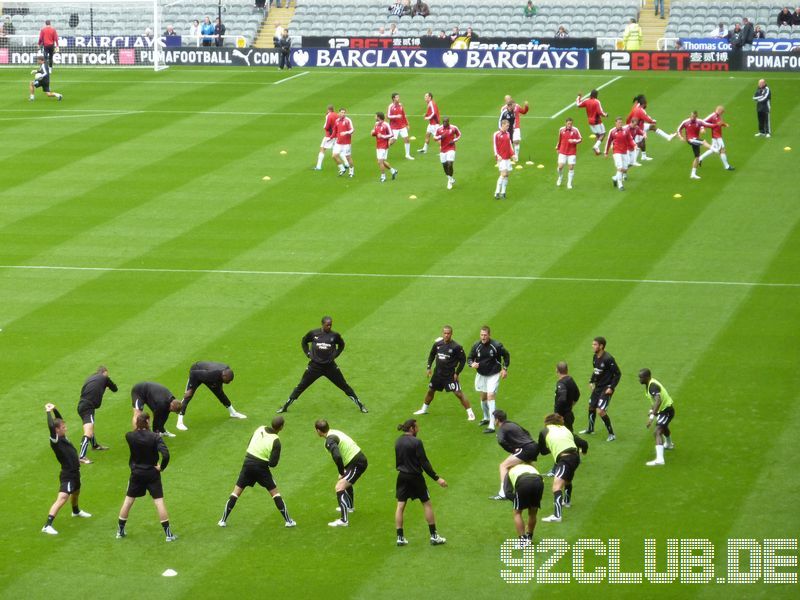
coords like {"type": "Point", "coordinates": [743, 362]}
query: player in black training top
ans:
{"type": "Point", "coordinates": [567, 395]}
{"type": "Point", "coordinates": [491, 359]}
{"type": "Point", "coordinates": [70, 475]}
{"type": "Point", "coordinates": [450, 360]}
{"type": "Point", "coordinates": [323, 347]}
{"type": "Point", "coordinates": [146, 472]}
{"type": "Point", "coordinates": [213, 375]}
{"type": "Point", "coordinates": [159, 400]}
{"type": "Point", "coordinates": [411, 461]}
{"type": "Point", "coordinates": [91, 399]}
{"type": "Point", "coordinates": [515, 440]}
{"type": "Point", "coordinates": [604, 380]}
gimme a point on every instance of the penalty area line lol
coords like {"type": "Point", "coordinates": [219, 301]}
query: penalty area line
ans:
{"type": "Point", "coordinates": [251, 272]}
{"type": "Point", "coordinates": [290, 78]}
{"type": "Point", "coordinates": [572, 105]}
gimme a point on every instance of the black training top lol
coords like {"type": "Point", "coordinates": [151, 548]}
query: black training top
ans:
{"type": "Point", "coordinates": [154, 395]}
{"type": "Point", "coordinates": [65, 452]}
{"type": "Point", "coordinates": [606, 373]}
{"type": "Point", "coordinates": [94, 387]}
{"type": "Point", "coordinates": [145, 447]}
{"type": "Point", "coordinates": [567, 394]}
{"type": "Point", "coordinates": [488, 356]}
{"type": "Point", "coordinates": [410, 457]}
{"type": "Point", "coordinates": [511, 436]}
{"type": "Point", "coordinates": [322, 348]}
{"type": "Point", "coordinates": [450, 358]}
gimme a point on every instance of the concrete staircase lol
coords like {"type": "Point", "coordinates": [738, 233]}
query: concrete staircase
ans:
{"type": "Point", "coordinates": [652, 26]}
{"type": "Point", "coordinates": [275, 17]}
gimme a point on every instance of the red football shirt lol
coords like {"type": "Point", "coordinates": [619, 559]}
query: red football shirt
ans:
{"type": "Point", "coordinates": [330, 120]}
{"type": "Point", "coordinates": [48, 36]}
{"type": "Point", "coordinates": [692, 128]}
{"type": "Point", "coordinates": [382, 133]}
{"type": "Point", "coordinates": [502, 145]}
{"type": "Point", "coordinates": [343, 130]}
{"type": "Point", "coordinates": [715, 124]}
{"type": "Point", "coordinates": [621, 139]}
{"type": "Point", "coordinates": [568, 140]}
{"type": "Point", "coordinates": [432, 113]}
{"type": "Point", "coordinates": [594, 110]}
{"type": "Point", "coordinates": [397, 116]}
{"type": "Point", "coordinates": [640, 113]}
{"type": "Point", "coordinates": [447, 136]}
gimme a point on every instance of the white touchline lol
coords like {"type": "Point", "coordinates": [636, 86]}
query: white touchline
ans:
{"type": "Point", "coordinates": [289, 78]}
{"type": "Point", "coordinates": [79, 116]}
{"type": "Point", "coordinates": [572, 105]}
{"type": "Point", "coordinates": [402, 276]}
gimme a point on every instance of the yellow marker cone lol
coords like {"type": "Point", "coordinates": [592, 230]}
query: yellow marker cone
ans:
{"type": "Point", "coordinates": [518, 167]}
{"type": "Point", "coordinates": [788, 148]}
{"type": "Point", "coordinates": [412, 139]}
{"type": "Point", "coordinates": [266, 178]}
{"type": "Point", "coordinates": [283, 151]}
{"type": "Point", "coordinates": [540, 166]}
{"type": "Point", "coordinates": [530, 162]}
{"type": "Point", "coordinates": [412, 197]}
{"type": "Point", "coordinates": [677, 196]}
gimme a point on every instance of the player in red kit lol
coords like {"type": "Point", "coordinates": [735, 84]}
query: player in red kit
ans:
{"type": "Point", "coordinates": [620, 139]}
{"type": "Point", "coordinates": [432, 117]}
{"type": "Point", "coordinates": [517, 110]}
{"type": "Point", "coordinates": [568, 139]}
{"type": "Point", "coordinates": [327, 137]}
{"type": "Point", "coordinates": [447, 135]}
{"type": "Point", "coordinates": [504, 154]}
{"type": "Point", "coordinates": [399, 123]}
{"type": "Point", "coordinates": [689, 132]}
{"type": "Point", "coordinates": [637, 133]}
{"type": "Point", "coordinates": [343, 132]}
{"type": "Point", "coordinates": [382, 134]}
{"type": "Point", "coordinates": [594, 112]}
{"type": "Point", "coordinates": [717, 143]}
{"type": "Point", "coordinates": [647, 122]}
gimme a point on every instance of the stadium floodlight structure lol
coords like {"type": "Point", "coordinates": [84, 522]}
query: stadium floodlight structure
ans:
{"type": "Point", "coordinates": [115, 33]}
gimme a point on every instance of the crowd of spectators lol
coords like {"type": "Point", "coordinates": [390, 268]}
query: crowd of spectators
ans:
{"type": "Point", "coordinates": [787, 18]}
{"type": "Point", "coordinates": [404, 8]}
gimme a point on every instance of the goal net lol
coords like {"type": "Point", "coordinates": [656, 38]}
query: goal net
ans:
{"type": "Point", "coordinates": [121, 33]}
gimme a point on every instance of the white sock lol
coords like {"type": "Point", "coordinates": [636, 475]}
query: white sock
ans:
{"type": "Point", "coordinates": [499, 184]}
{"type": "Point", "coordinates": [345, 162]}
{"type": "Point", "coordinates": [659, 453]}
{"type": "Point", "coordinates": [724, 159]}
{"type": "Point", "coordinates": [694, 172]}
{"type": "Point", "coordinates": [408, 149]}
{"type": "Point", "coordinates": [424, 146]}
{"type": "Point", "coordinates": [596, 145]}
{"type": "Point", "coordinates": [31, 96]}
{"type": "Point", "coordinates": [392, 171]}
{"type": "Point", "coordinates": [501, 493]}
{"type": "Point", "coordinates": [706, 154]}
{"type": "Point", "coordinates": [470, 414]}
{"type": "Point", "coordinates": [424, 408]}
{"type": "Point", "coordinates": [320, 156]}
{"type": "Point", "coordinates": [485, 409]}
{"type": "Point", "coordinates": [231, 410]}
{"type": "Point", "coordinates": [516, 149]}
{"type": "Point", "coordinates": [491, 404]}
{"type": "Point", "coordinates": [504, 185]}
{"type": "Point", "coordinates": [570, 175]}
{"type": "Point", "coordinates": [620, 180]}
{"type": "Point", "coordinates": [644, 154]}
{"type": "Point", "coordinates": [180, 419]}
{"type": "Point", "coordinates": [663, 134]}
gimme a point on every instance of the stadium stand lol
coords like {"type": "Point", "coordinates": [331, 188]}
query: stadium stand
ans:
{"type": "Point", "coordinates": [240, 18]}
{"type": "Point", "coordinates": [693, 19]}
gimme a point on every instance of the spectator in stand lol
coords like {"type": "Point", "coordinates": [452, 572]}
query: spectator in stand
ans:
{"type": "Point", "coordinates": [785, 17]}
{"type": "Point", "coordinates": [758, 34]}
{"type": "Point", "coordinates": [429, 33]}
{"type": "Point", "coordinates": [469, 34]}
{"type": "Point", "coordinates": [796, 17]}
{"type": "Point", "coordinates": [194, 32]}
{"type": "Point", "coordinates": [207, 29]}
{"type": "Point", "coordinates": [632, 38]}
{"type": "Point", "coordinates": [393, 31]}
{"type": "Point", "coordinates": [659, 5]}
{"type": "Point", "coordinates": [455, 34]}
{"type": "Point", "coordinates": [562, 32]}
{"type": "Point", "coordinates": [48, 42]}
{"type": "Point", "coordinates": [719, 31]}
{"type": "Point", "coordinates": [261, 4]}
{"type": "Point", "coordinates": [277, 35]}
{"type": "Point", "coordinates": [285, 47]}
{"type": "Point", "coordinates": [407, 8]}
{"type": "Point", "coordinates": [396, 9]}
{"type": "Point", "coordinates": [748, 32]}
{"type": "Point", "coordinates": [382, 31]}
{"type": "Point", "coordinates": [442, 35]}
{"type": "Point", "coordinates": [530, 10]}
{"type": "Point", "coordinates": [735, 37]}
{"type": "Point", "coordinates": [170, 32]}
{"type": "Point", "coordinates": [219, 32]}
{"type": "Point", "coordinates": [421, 9]}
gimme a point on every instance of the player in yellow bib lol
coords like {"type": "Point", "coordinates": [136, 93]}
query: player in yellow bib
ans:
{"type": "Point", "coordinates": [524, 486]}
{"type": "Point", "coordinates": [351, 464]}
{"type": "Point", "coordinates": [559, 441]}
{"type": "Point", "coordinates": [661, 411]}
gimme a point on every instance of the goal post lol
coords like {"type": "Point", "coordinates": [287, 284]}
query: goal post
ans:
{"type": "Point", "coordinates": [119, 33]}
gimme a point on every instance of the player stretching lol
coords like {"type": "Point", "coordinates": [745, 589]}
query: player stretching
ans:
{"type": "Point", "coordinates": [343, 132]}
{"type": "Point", "coordinates": [568, 139]}
{"type": "Point", "coordinates": [594, 112]}
{"type": "Point", "coordinates": [639, 111]}
{"type": "Point", "coordinates": [382, 134]}
{"type": "Point", "coordinates": [717, 143]}
{"type": "Point", "coordinates": [662, 412]}
{"type": "Point", "coordinates": [562, 444]}
{"type": "Point", "coordinates": [620, 139]}
{"type": "Point", "coordinates": [399, 123]}
{"type": "Point", "coordinates": [432, 117]}
{"type": "Point", "coordinates": [512, 109]}
{"type": "Point", "coordinates": [691, 128]}
{"type": "Point", "coordinates": [327, 139]}
{"type": "Point", "coordinates": [637, 134]}
{"type": "Point", "coordinates": [503, 154]}
{"type": "Point", "coordinates": [447, 135]}
{"type": "Point", "coordinates": [41, 79]}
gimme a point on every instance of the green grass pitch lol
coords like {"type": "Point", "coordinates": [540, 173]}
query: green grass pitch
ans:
{"type": "Point", "coordinates": [152, 184]}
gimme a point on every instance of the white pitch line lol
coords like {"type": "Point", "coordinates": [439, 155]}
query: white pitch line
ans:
{"type": "Point", "coordinates": [290, 78]}
{"type": "Point", "coordinates": [568, 106]}
{"type": "Point", "coordinates": [79, 116]}
{"type": "Point", "coordinates": [402, 276]}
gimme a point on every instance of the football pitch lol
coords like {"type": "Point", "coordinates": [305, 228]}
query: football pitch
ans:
{"type": "Point", "coordinates": [139, 232]}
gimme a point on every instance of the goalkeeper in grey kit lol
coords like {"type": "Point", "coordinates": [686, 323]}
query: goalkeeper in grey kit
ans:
{"type": "Point", "coordinates": [41, 79]}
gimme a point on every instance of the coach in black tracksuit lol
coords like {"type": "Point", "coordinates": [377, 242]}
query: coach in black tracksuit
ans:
{"type": "Point", "coordinates": [322, 346]}
{"type": "Point", "coordinates": [284, 46]}
{"type": "Point", "coordinates": [763, 98]}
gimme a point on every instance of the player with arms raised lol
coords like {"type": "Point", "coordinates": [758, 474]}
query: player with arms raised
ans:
{"type": "Point", "coordinates": [689, 132]}
{"type": "Point", "coordinates": [568, 139]}
{"type": "Point", "coordinates": [648, 123]}
{"type": "Point", "coordinates": [503, 154]}
{"type": "Point", "coordinates": [432, 117]}
{"type": "Point", "coordinates": [594, 112]}
{"type": "Point", "coordinates": [717, 143]}
{"type": "Point", "coordinates": [382, 134]}
{"type": "Point", "coordinates": [342, 153]}
{"type": "Point", "coordinates": [399, 123]}
{"type": "Point", "coordinates": [327, 138]}
{"type": "Point", "coordinates": [447, 135]}
{"type": "Point", "coordinates": [620, 140]}
{"type": "Point", "coordinates": [41, 79]}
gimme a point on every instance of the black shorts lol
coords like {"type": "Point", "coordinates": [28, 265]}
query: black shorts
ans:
{"type": "Point", "coordinates": [70, 483]}
{"type": "Point", "coordinates": [566, 465]}
{"type": "Point", "coordinates": [696, 144]}
{"type": "Point", "coordinates": [86, 413]}
{"type": "Point", "coordinates": [253, 473]}
{"type": "Point", "coordinates": [144, 481]}
{"type": "Point", "coordinates": [355, 468]}
{"type": "Point", "coordinates": [527, 453]}
{"type": "Point", "coordinates": [42, 83]}
{"type": "Point", "coordinates": [411, 486]}
{"type": "Point", "coordinates": [529, 492]}
{"type": "Point", "coordinates": [600, 401]}
{"type": "Point", "coordinates": [664, 418]}
{"type": "Point", "coordinates": [444, 384]}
